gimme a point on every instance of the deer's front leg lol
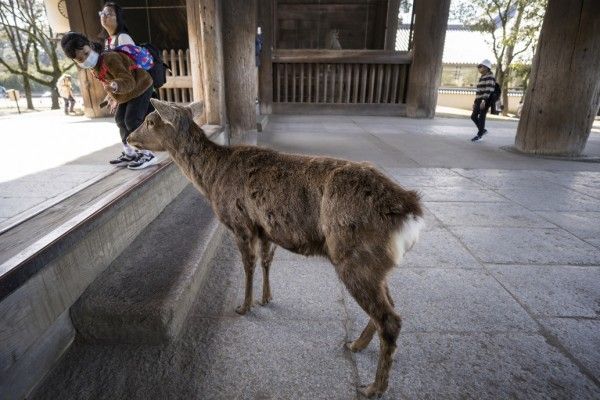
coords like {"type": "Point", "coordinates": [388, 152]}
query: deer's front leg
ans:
{"type": "Point", "coordinates": [247, 246]}
{"type": "Point", "coordinates": [267, 250]}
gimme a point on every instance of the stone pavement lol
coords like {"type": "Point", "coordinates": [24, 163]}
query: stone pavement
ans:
{"type": "Point", "coordinates": [500, 298]}
{"type": "Point", "coordinates": [46, 156]}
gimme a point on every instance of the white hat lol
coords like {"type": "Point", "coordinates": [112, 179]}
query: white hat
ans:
{"type": "Point", "coordinates": [486, 63]}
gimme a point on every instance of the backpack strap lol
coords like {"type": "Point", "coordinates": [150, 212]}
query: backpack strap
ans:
{"type": "Point", "coordinates": [109, 40]}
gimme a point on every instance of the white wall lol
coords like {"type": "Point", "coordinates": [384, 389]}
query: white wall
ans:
{"type": "Point", "coordinates": [464, 99]}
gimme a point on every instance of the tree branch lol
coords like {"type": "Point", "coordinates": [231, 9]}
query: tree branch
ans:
{"type": "Point", "coordinates": [37, 62]}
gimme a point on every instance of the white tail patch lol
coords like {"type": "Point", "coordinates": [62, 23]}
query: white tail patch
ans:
{"type": "Point", "coordinates": [404, 238]}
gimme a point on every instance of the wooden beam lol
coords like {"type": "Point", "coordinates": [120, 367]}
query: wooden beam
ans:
{"type": "Point", "coordinates": [241, 89]}
{"type": "Point", "coordinates": [564, 94]}
{"type": "Point", "coordinates": [265, 71]}
{"type": "Point", "coordinates": [431, 21]}
{"type": "Point", "coordinates": [391, 28]}
{"type": "Point", "coordinates": [179, 82]}
{"type": "Point", "coordinates": [194, 24]}
{"type": "Point", "coordinates": [83, 18]}
{"type": "Point", "coordinates": [211, 44]}
{"type": "Point", "coordinates": [342, 56]}
{"type": "Point", "coordinates": [340, 109]}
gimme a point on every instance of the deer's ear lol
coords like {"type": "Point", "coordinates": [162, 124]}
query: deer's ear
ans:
{"type": "Point", "coordinates": [196, 108]}
{"type": "Point", "coordinates": [168, 113]}
{"type": "Point", "coordinates": [197, 111]}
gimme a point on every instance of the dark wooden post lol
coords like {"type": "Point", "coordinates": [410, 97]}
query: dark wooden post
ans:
{"type": "Point", "coordinates": [391, 28]}
{"type": "Point", "coordinates": [210, 43]}
{"type": "Point", "coordinates": [431, 21]}
{"type": "Point", "coordinates": [194, 23]}
{"type": "Point", "coordinates": [265, 72]}
{"type": "Point", "coordinates": [239, 30]}
{"type": "Point", "coordinates": [564, 94]}
{"type": "Point", "coordinates": [83, 18]}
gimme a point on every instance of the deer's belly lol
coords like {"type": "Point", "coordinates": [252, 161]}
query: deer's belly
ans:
{"type": "Point", "coordinates": [300, 242]}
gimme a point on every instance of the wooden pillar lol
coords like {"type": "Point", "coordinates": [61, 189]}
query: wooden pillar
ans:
{"type": "Point", "coordinates": [194, 23]}
{"type": "Point", "coordinates": [265, 71]}
{"type": "Point", "coordinates": [564, 94]}
{"type": "Point", "coordinates": [431, 20]}
{"type": "Point", "coordinates": [239, 30]}
{"type": "Point", "coordinates": [83, 18]}
{"type": "Point", "coordinates": [210, 43]}
{"type": "Point", "coordinates": [391, 28]}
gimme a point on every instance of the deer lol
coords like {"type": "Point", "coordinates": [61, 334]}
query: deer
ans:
{"type": "Point", "coordinates": [348, 212]}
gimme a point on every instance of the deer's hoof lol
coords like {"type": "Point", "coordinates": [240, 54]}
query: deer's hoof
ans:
{"type": "Point", "coordinates": [242, 310]}
{"type": "Point", "coordinates": [352, 346]}
{"type": "Point", "coordinates": [370, 391]}
{"type": "Point", "coordinates": [265, 300]}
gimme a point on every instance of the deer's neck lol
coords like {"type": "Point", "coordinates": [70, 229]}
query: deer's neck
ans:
{"type": "Point", "coordinates": [198, 157]}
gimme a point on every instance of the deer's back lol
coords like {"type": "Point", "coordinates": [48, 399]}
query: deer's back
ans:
{"type": "Point", "coordinates": [299, 201]}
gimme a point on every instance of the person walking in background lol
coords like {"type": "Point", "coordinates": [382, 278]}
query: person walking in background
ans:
{"type": "Point", "coordinates": [485, 89]}
{"type": "Point", "coordinates": [129, 88]}
{"type": "Point", "coordinates": [65, 90]}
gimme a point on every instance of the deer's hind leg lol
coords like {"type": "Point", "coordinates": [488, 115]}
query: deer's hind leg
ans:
{"type": "Point", "coordinates": [367, 334]}
{"type": "Point", "coordinates": [267, 251]}
{"type": "Point", "coordinates": [364, 339]}
{"type": "Point", "coordinates": [371, 293]}
{"type": "Point", "coordinates": [247, 246]}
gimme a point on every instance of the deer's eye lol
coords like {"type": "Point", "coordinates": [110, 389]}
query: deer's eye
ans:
{"type": "Point", "coordinates": [150, 123]}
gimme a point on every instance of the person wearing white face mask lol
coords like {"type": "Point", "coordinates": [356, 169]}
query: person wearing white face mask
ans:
{"type": "Point", "coordinates": [129, 88]}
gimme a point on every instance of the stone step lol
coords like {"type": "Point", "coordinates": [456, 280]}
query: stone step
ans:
{"type": "Point", "coordinates": [144, 296]}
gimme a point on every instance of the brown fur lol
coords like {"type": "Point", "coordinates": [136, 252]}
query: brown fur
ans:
{"type": "Point", "coordinates": [339, 209]}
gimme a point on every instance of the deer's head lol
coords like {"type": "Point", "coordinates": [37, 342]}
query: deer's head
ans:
{"type": "Point", "coordinates": [164, 125]}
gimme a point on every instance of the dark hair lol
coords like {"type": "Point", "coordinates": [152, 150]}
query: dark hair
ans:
{"type": "Point", "coordinates": [73, 41]}
{"type": "Point", "coordinates": [121, 26]}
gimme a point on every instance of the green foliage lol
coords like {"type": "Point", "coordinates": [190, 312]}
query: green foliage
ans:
{"type": "Point", "coordinates": [512, 28]}
{"type": "Point", "coordinates": [508, 24]}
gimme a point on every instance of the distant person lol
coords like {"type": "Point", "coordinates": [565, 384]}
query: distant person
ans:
{"type": "Point", "coordinates": [258, 45]}
{"type": "Point", "coordinates": [65, 90]}
{"type": "Point", "coordinates": [483, 98]}
{"type": "Point", "coordinates": [129, 89]}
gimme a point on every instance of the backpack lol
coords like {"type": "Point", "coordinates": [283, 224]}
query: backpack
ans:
{"type": "Point", "coordinates": [494, 99]}
{"type": "Point", "coordinates": [497, 90]}
{"type": "Point", "coordinates": [146, 57]}
{"type": "Point", "coordinates": [159, 71]}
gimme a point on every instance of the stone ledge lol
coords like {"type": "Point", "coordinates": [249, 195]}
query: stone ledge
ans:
{"type": "Point", "coordinates": [42, 282]}
{"type": "Point", "coordinates": [145, 294]}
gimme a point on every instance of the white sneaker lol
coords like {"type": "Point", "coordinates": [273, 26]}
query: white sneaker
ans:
{"type": "Point", "coordinates": [144, 161]}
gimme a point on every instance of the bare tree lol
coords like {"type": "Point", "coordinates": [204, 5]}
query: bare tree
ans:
{"type": "Point", "coordinates": [20, 42]}
{"type": "Point", "coordinates": [27, 27]}
{"type": "Point", "coordinates": [513, 27]}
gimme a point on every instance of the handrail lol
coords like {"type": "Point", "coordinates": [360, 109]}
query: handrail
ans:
{"type": "Point", "coordinates": [342, 56]}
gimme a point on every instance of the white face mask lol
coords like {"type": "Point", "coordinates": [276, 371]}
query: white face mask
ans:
{"type": "Point", "coordinates": [90, 61]}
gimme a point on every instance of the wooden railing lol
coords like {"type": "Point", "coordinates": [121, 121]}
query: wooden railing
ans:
{"type": "Point", "coordinates": [340, 76]}
{"type": "Point", "coordinates": [178, 87]}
